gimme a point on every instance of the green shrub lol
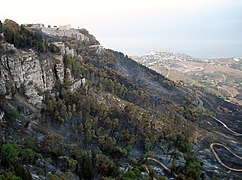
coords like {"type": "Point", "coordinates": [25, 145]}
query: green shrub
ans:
{"type": "Point", "coordinates": [22, 172]}
{"type": "Point", "coordinates": [118, 152]}
{"type": "Point", "coordinates": [53, 144]}
{"type": "Point", "coordinates": [14, 114]}
{"type": "Point", "coordinates": [9, 176]}
{"type": "Point", "coordinates": [29, 155]}
{"type": "Point", "coordinates": [86, 166]}
{"type": "Point", "coordinates": [10, 154]}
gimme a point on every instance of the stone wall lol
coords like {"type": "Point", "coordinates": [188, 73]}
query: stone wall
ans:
{"type": "Point", "coordinates": [65, 31]}
{"type": "Point", "coordinates": [37, 26]}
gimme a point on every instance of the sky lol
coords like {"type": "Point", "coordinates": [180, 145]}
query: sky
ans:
{"type": "Point", "coordinates": [201, 28]}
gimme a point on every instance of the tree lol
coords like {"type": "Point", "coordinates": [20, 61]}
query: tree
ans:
{"type": "Point", "coordinates": [28, 155]}
{"type": "Point", "coordinates": [68, 61]}
{"type": "Point", "coordinates": [53, 48]}
{"type": "Point", "coordinates": [14, 114]}
{"type": "Point", "coordinates": [22, 172]}
{"type": "Point", "coordinates": [118, 152]}
{"type": "Point", "coordinates": [53, 144]}
{"type": "Point", "coordinates": [10, 154]}
{"type": "Point", "coordinates": [86, 167]}
{"type": "Point", "coordinates": [193, 166]}
{"type": "Point", "coordinates": [1, 27]}
{"type": "Point", "coordinates": [9, 176]}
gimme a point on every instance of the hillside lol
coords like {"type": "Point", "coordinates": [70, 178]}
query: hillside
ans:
{"type": "Point", "coordinates": [71, 109]}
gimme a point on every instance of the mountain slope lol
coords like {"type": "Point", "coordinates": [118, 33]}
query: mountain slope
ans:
{"type": "Point", "coordinates": [73, 109]}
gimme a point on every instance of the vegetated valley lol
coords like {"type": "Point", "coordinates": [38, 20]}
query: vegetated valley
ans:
{"type": "Point", "coordinates": [71, 109]}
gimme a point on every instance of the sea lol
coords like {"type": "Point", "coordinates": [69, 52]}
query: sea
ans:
{"type": "Point", "coordinates": [198, 47]}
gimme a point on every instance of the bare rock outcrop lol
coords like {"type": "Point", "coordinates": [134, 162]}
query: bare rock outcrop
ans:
{"type": "Point", "coordinates": [25, 71]}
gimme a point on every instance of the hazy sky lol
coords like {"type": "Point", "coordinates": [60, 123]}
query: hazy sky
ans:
{"type": "Point", "coordinates": [203, 28]}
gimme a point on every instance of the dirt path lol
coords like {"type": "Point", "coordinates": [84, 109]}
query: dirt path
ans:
{"type": "Point", "coordinates": [224, 77]}
{"type": "Point", "coordinates": [234, 133]}
{"type": "Point", "coordinates": [219, 160]}
{"type": "Point", "coordinates": [226, 127]}
{"type": "Point", "coordinates": [169, 71]}
{"type": "Point", "coordinates": [225, 147]}
{"type": "Point", "coordinates": [161, 164]}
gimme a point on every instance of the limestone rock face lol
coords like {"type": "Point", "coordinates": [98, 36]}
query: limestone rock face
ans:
{"type": "Point", "coordinates": [70, 52]}
{"type": "Point", "coordinates": [27, 72]}
{"type": "Point", "coordinates": [64, 49]}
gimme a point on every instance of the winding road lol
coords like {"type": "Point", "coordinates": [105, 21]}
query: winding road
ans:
{"type": "Point", "coordinates": [219, 160]}
{"type": "Point", "coordinates": [212, 145]}
{"type": "Point", "coordinates": [234, 133]}
{"type": "Point", "coordinates": [226, 127]}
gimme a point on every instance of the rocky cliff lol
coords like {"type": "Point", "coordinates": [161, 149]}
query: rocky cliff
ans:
{"type": "Point", "coordinates": [33, 73]}
{"type": "Point", "coordinates": [29, 73]}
